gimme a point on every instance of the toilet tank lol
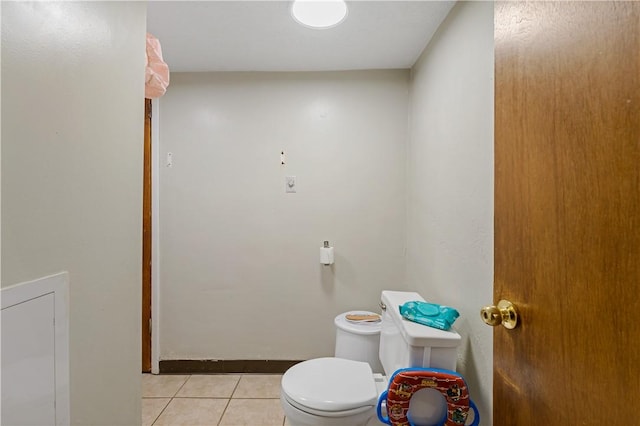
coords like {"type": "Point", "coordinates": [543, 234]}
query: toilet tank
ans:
{"type": "Point", "coordinates": [406, 344]}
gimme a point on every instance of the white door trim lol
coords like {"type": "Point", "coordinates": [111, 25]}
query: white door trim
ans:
{"type": "Point", "coordinates": [155, 236]}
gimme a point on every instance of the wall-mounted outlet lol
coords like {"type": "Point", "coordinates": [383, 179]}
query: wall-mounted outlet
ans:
{"type": "Point", "coordinates": [290, 184]}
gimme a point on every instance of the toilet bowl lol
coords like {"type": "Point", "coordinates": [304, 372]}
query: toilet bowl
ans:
{"type": "Point", "coordinates": [343, 392]}
{"type": "Point", "coordinates": [331, 392]}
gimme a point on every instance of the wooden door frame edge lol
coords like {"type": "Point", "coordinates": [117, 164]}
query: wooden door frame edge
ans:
{"type": "Point", "coordinates": [146, 241]}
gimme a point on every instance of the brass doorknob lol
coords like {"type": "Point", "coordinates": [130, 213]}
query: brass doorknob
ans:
{"type": "Point", "coordinates": [504, 313]}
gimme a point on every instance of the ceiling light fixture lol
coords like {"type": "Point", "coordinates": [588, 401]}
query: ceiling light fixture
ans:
{"type": "Point", "coordinates": [319, 13]}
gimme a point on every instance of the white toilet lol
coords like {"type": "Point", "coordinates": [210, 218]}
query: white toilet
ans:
{"type": "Point", "coordinates": [344, 392]}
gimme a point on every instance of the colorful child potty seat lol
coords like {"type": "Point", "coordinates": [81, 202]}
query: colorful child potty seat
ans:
{"type": "Point", "coordinates": [407, 381]}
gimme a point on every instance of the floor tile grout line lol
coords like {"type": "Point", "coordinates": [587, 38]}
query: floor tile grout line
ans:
{"type": "Point", "coordinates": [180, 388]}
{"type": "Point", "coordinates": [229, 400]}
{"type": "Point", "coordinates": [216, 397]}
{"type": "Point", "coordinates": [224, 411]}
{"type": "Point", "coordinates": [236, 387]}
{"type": "Point", "coordinates": [257, 397]}
{"type": "Point", "coordinates": [170, 400]}
{"type": "Point", "coordinates": [161, 411]}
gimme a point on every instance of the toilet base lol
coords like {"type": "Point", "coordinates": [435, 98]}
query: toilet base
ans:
{"type": "Point", "coordinates": [296, 417]}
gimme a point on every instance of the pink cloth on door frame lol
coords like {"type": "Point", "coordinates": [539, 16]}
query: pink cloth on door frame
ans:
{"type": "Point", "coordinates": [156, 78]}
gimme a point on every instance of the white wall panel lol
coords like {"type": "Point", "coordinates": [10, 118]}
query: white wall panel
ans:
{"type": "Point", "coordinates": [72, 145]}
{"type": "Point", "coordinates": [450, 183]}
{"type": "Point", "coordinates": [239, 258]}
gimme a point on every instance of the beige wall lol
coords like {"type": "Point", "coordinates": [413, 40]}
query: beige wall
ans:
{"type": "Point", "coordinates": [72, 129]}
{"type": "Point", "coordinates": [450, 183]}
{"type": "Point", "coordinates": [239, 258]}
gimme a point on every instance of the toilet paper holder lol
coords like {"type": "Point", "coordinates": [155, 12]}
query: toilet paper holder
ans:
{"type": "Point", "coordinates": [326, 254]}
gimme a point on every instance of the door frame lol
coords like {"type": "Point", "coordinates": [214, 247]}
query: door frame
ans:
{"type": "Point", "coordinates": [146, 241]}
{"type": "Point", "coordinates": [150, 291]}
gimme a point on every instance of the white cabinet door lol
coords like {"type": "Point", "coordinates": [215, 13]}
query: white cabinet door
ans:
{"type": "Point", "coordinates": [28, 363]}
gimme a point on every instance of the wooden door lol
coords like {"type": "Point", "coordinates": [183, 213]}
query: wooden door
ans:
{"type": "Point", "coordinates": [146, 242]}
{"type": "Point", "coordinates": [567, 212]}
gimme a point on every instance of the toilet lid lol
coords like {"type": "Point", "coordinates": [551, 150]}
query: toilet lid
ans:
{"type": "Point", "coordinates": [330, 384]}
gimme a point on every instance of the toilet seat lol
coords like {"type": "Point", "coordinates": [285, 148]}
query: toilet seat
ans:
{"type": "Point", "coordinates": [330, 387]}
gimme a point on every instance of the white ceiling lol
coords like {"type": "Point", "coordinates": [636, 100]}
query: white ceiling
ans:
{"type": "Point", "coordinates": [243, 35]}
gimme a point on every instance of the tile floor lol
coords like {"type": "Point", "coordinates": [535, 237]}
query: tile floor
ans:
{"type": "Point", "coordinates": [212, 400]}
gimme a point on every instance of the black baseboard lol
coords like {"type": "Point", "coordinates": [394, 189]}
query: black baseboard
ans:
{"type": "Point", "coordinates": [209, 366]}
